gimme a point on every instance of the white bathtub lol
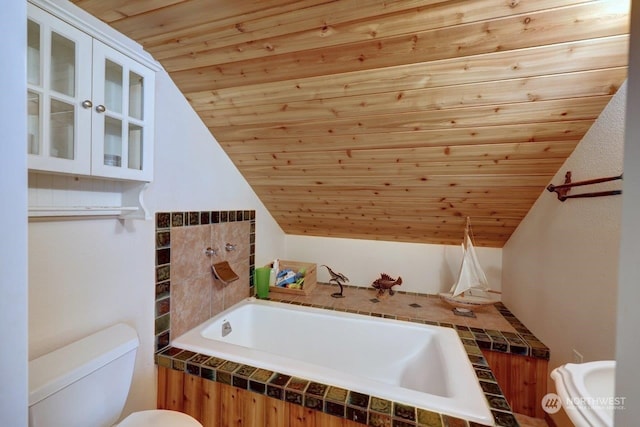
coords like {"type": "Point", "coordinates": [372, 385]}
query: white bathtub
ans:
{"type": "Point", "coordinates": [420, 365]}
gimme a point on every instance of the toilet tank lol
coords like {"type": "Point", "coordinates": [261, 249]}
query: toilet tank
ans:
{"type": "Point", "coordinates": [84, 384]}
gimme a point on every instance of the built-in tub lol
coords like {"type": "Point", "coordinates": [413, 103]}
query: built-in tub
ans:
{"type": "Point", "coordinates": [415, 364]}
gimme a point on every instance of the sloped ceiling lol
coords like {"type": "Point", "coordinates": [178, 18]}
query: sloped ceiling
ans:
{"type": "Point", "coordinates": [390, 120]}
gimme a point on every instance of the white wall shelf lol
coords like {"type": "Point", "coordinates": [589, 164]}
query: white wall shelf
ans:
{"type": "Point", "coordinates": [48, 211]}
{"type": "Point", "coordinates": [56, 195]}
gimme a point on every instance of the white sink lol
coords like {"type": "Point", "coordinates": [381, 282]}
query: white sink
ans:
{"type": "Point", "coordinates": [586, 391]}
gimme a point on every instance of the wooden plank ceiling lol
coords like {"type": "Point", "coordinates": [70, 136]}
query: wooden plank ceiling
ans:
{"type": "Point", "coordinates": [390, 120]}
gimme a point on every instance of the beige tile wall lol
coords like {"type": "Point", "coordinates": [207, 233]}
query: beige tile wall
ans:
{"type": "Point", "coordinates": [196, 294]}
{"type": "Point", "coordinates": [186, 292]}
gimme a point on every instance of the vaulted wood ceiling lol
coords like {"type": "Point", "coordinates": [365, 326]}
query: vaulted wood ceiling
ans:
{"type": "Point", "coordinates": [390, 120]}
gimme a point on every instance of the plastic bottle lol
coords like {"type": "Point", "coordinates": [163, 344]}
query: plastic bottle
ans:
{"type": "Point", "coordinates": [274, 272]}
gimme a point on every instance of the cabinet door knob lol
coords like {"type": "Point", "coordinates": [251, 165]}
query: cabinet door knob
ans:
{"type": "Point", "coordinates": [100, 109]}
{"type": "Point", "coordinates": [87, 104]}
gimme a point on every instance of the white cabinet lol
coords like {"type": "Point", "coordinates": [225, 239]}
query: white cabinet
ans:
{"type": "Point", "coordinates": [122, 124]}
{"type": "Point", "coordinates": [90, 107]}
{"type": "Point", "coordinates": [90, 115]}
{"type": "Point", "coordinates": [58, 81]}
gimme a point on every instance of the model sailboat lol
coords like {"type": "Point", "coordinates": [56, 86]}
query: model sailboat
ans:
{"type": "Point", "coordinates": [471, 289]}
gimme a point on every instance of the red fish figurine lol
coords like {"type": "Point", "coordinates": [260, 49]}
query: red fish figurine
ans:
{"type": "Point", "coordinates": [386, 282]}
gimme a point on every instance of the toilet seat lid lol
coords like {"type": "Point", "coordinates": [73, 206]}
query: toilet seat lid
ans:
{"type": "Point", "coordinates": [159, 418]}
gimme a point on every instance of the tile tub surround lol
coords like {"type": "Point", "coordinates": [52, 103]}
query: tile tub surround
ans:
{"type": "Point", "coordinates": [503, 332]}
{"type": "Point", "coordinates": [186, 291]}
{"type": "Point", "coordinates": [349, 404]}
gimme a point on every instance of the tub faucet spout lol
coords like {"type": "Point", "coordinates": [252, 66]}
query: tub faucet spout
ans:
{"type": "Point", "coordinates": [226, 328]}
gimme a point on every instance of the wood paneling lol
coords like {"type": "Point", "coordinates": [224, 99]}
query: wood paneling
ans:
{"type": "Point", "coordinates": [390, 120]}
{"type": "Point", "coordinates": [607, 52]}
{"type": "Point", "coordinates": [586, 83]}
{"type": "Point", "coordinates": [523, 380]}
{"type": "Point", "coordinates": [174, 395]}
{"type": "Point", "coordinates": [217, 405]}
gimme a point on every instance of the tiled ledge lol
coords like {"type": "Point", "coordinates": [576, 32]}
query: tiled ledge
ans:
{"type": "Point", "coordinates": [519, 341]}
{"type": "Point", "coordinates": [365, 409]}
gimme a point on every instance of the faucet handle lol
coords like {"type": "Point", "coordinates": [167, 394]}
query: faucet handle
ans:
{"type": "Point", "coordinates": [210, 252]}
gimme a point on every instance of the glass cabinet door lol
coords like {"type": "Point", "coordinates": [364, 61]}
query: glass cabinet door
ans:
{"type": "Point", "coordinates": [122, 131]}
{"type": "Point", "coordinates": [34, 71]}
{"type": "Point", "coordinates": [56, 88]}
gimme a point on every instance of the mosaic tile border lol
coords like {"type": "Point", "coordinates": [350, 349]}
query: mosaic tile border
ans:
{"type": "Point", "coordinates": [522, 343]}
{"type": "Point", "coordinates": [362, 408]}
{"type": "Point", "coordinates": [165, 221]}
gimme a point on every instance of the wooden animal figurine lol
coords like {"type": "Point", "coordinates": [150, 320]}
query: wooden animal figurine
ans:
{"type": "Point", "coordinates": [386, 282]}
{"type": "Point", "coordinates": [338, 279]}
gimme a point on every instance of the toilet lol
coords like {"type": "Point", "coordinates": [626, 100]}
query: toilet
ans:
{"type": "Point", "coordinates": [86, 383]}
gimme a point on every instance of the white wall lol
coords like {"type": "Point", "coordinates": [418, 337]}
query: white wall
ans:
{"type": "Point", "coordinates": [88, 274]}
{"type": "Point", "coordinates": [194, 173]}
{"type": "Point", "coordinates": [85, 275]}
{"type": "Point", "coordinates": [628, 337]}
{"type": "Point", "coordinates": [423, 268]}
{"type": "Point", "coordinates": [13, 214]}
{"type": "Point", "coordinates": [560, 267]}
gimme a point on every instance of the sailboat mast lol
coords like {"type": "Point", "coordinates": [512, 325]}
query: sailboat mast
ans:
{"type": "Point", "coordinates": [466, 233]}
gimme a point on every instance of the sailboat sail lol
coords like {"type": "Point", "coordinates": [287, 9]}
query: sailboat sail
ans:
{"type": "Point", "coordinates": [471, 277]}
{"type": "Point", "coordinates": [471, 289]}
